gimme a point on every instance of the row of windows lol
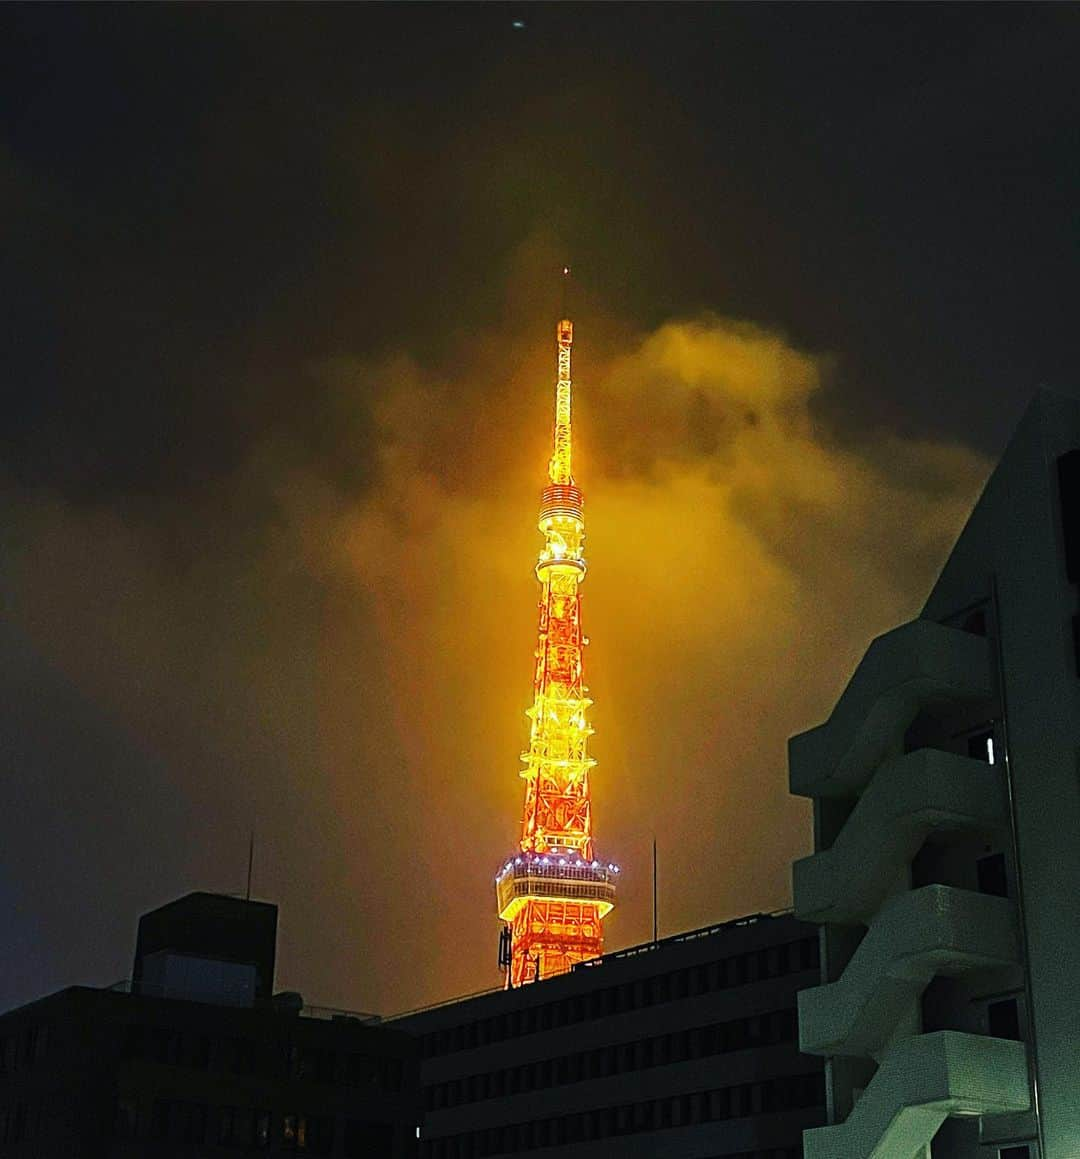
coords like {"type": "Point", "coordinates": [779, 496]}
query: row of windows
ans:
{"type": "Point", "coordinates": [22, 1049]}
{"type": "Point", "coordinates": [242, 1056]}
{"type": "Point", "coordinates": [765, 1097]}
{"type": "Point", "coordinates": [676, 1046]}
{"type": "Point", "coordinates": [248, 1128]}
{"type": "Point", "coordinates": [736, 970]}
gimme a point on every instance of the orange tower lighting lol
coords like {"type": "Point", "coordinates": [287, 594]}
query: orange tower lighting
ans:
{"type": "Point", "coordinates": [554, 893]}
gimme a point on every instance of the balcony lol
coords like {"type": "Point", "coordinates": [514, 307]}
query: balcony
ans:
{"type": "Point", "coordinates": [920, 934]}
{"type": "Point", "coordinates": [908, 799]}
{"type": "Point", "coordinates": [918, 665]}
{"type": "Point", "coordinates": [920, 1083]}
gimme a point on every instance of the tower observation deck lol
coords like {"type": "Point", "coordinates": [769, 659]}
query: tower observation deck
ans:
{"type": "Point", "coordinates": [554, 892]}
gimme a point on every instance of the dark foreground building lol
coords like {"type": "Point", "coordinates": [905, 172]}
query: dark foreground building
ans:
{"type": "Point", "coordinates": [686, 1048]}
{"type": "Point", "coordinates": [947, 836]}
{"type": "Point", "coordinates": [195, 1057]}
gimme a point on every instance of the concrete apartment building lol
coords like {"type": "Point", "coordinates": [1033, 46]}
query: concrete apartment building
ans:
{"type": "Point", "coordinates": [947, 837]}
{"type": "Point", "coordinates": [685, 1048]}
{"type": "Point", "coordinates": [195, 1057]}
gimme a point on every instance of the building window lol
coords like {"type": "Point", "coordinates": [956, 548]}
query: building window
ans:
{"type": "Point", "coordinates": [316, 1064]}
{"type": "Point", "coordinates": [35, 1043]}
{"type": "Point", "coordinates": [364, 1138]}
{"type": "Point", "coordinates": [293, 1133]}
{"type": "Point", "coordinates": [975, 622]}
{"type": "Point", "coordinates": [361, 1071]}
{"type": "Point", "coordinates": [182, 1121]}
{"type": "Point", "coordinates": [320, 1134]}
{"type": "Point", "coordinates": [243, 1127]}
{"type": "Point", "coordinates": [165, 1045]}
{"type": "Point", "coordinates": [980, 745]}
{"type": "Point", "coordinates": [134, 1045]}
{"type": "Point", "coordinates": [159, 1119]}
{"type": "Point", "coordinates": [241, 1053]}
{"type": "Point", "coordinates": [1069, 491]}
{"type": "Point", "coordinates": [1003, 1019]}
{"type": "Point", "coordinates": [262, 1130]}
{"type": "Point", "coordinates": [811, 953]}
{"type": "Point", "coordinates": [125, 1119]}
{"type": "Point", "coordinates": [190, 1123]}
{"type": "Point", "coordinates": [1015, 1152]}
{"type": "Point", "coordinates": [312, 1134]}
{"type": "Point", "coordinates": [199, 1056]}
{"type": "Point", "coordinates": [18, 1126]}
{"type": "Point", "coordinates": [991, 876]}
{"type": "Point", "coordinates": [392, 1075]}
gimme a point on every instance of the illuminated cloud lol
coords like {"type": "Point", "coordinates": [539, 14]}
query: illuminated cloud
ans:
{"type": "Point", "coordinates": [740, 560]}
{"type": "Point", "coordinates": [352, 669]}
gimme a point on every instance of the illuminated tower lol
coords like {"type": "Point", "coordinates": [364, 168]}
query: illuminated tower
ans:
{"type": "Point", "coordinates": [553, 892]}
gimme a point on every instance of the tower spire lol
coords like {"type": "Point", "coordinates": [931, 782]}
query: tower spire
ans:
{"type": "Point", "coordinates": [559, 469]}
{"type": "Point", "coordinates": [553, 891]}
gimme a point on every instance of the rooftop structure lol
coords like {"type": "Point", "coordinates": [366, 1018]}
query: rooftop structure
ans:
{"type": "Point", "coordinates": [208, 946]}
{"type": "Point", "coordinates": [196, 1057]}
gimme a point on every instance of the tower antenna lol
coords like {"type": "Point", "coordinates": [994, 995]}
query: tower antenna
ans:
{"type": "Point", "coordinates": [565, 281]}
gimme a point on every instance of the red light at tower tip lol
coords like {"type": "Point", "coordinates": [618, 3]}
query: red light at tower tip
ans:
{"type": "Point", "coordinates": [554, 893]}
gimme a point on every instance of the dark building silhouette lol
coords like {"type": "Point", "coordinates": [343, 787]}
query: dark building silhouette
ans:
{"type": "Point", "coordinates": [947, 842]}
{"type": "Point", "coordinates": [686, 1048]}
{"type": "Point", "coordinates": [194, 1057]}
{"type": "Point", "coordinates": [208, 945]}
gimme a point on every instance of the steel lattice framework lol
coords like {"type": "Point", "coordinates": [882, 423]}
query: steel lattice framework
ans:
{"type": "Point", "coordinates": [554, 893]}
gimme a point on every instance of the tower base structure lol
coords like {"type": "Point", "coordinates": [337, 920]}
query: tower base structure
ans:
{"type": "Point", "coordinates": [555, 906]}
{"type": "Point", "coordinates": [551, 937]}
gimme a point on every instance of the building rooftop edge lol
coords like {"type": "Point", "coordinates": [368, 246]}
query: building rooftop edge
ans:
{"type": "Point", "coordinates": [126, 989]}
{"type": "Point", "coordinates": [615, 955]}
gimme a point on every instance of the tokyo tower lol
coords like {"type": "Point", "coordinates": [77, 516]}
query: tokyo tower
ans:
{"type": "Point", "coordinates": [554, 893]}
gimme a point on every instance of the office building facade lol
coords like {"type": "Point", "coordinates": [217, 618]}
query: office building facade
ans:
{"type": "Point", "coordinates": [685, 1048]}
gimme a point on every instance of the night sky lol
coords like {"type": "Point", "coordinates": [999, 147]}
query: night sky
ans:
{"type": "Point", "coordinates": [279, 287]}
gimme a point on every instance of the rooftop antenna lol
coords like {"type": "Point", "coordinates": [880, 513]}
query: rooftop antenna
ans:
{"type": "Point", "coordinates": [506, 953]}
{"type": "Point", "coordinates": [251, 862]}
{"type": "Point", "coordinates": [655, 911]}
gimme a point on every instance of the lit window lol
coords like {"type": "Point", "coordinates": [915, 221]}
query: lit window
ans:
{"type": "Point", "coordinates": [294, 1133]}
{"type": "Point", "coordinates": [980, 745]}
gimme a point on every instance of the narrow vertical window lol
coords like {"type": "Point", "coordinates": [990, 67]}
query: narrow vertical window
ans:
{"type": "Point", "coordinates": [1003, 1019]}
